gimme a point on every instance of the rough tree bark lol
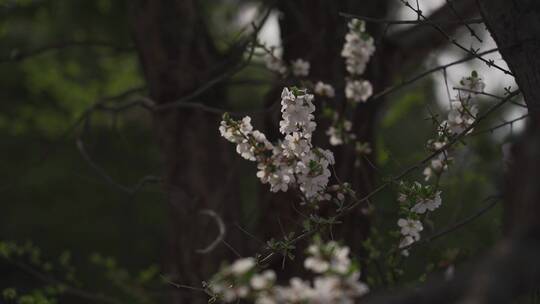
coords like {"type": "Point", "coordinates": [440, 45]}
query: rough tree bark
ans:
{"type": "Point", "coordinates": [515, 26]}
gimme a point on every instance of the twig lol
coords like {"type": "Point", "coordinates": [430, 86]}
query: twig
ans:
{"type": "Point", "coordinates": [427, 22]}
{"type": "Point", "coordinates": [463, 22]}
{"type": "Point", "coordinates": [489, 63]}
{"type": "Point", "coordinates": [394, 88]}
{"type": "Point", "coordinates": [511, 122]}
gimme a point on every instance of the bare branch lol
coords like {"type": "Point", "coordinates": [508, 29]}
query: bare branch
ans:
{"type": "Point", "coordinates": [411, 80]}
{"type": "Point", "coordinates": [422, 39]}
{"type": "Point", "coordinates": [444, 33]}
{"type": "Point", "coordinates": [426, 22]}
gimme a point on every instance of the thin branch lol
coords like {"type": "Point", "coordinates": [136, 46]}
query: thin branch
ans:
{"type": "Point", "coordinates": [411, 80]}
{"type": "Point", "coordinates": [477, 92]}
{"type": "Point", "coordinates": [511, 122]}
{"type": "Point", "coordinates": [182, 286]}
{"type": "Point", "coordinates": [489, 63]}
{"type": "Point", "coordinates": [463, 22]}
{"type": "Point", "coordinates": [397, 22]}
{"type": "Point", "coordinates": [252, 40]}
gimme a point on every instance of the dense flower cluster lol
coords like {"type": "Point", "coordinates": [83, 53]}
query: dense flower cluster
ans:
{"type": "Point", "coordinates": [357, 51]}
{"type": "Point", "coordinates": [292, 161]}
{"type": "Point", "coordinates": [337, 280]}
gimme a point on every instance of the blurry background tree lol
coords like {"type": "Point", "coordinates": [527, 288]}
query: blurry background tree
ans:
{"type": "Point", "coordinates": [84, 157]}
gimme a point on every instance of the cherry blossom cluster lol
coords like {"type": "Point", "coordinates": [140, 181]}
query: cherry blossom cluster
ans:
{"type": "Point", "coordinates": [415, 200]}
{"type": "Point", "coordinates": [293, 161]}
{"type": "Point", "coordinates": [357, 51]}
{"type": "Point", "coordinates": [336, 280]}
{"type": "Point", "coordinates": [461, 116]}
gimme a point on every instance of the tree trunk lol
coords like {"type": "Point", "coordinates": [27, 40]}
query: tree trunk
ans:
{"type": "Point", "coordinates": [515, 26]}
{"type": "Point", "coordinates": [178, 57]}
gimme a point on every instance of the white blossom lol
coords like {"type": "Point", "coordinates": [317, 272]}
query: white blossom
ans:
{"type": "Point", "coordinates": [410, 227]}
{"type": "Point", "coordinates": [278, 175]}
{"type": "Point", "coordinates": [406, 242]}
{"type": "Point", "coordinates": [295, 145]}
{"type": "Point", "coordinates": [298, 291]}
{"type": "Point", "coordinates": [245, 150]}
{"type": "Point", "coordinates": [236, 132]}
{"type": "Point", "coordinates": [460, 118]}
{"type": "Point", "coordinates": [363, 148]}
{"type": "Point", "coordinates": [338, 282]}
{"type": "Point", "coordinates": [263, 280]}
{"type": "Point", "coordinates": [426, 204]}
{"type": "Point", "coordinates": [328, 257]}
{"type": "Point", "coordinates": [358, 90]}
{"type": "Point", "coordinates": [474, 84]}
{"type": "Point", "coordinates": [274, 63]}
{"type": "Point", "coordinates": [316, 265]}
{"type": "Point", "coordinates": [313, 173]}
{"type": "Point", "coordinates": [326, 289]}
{"type": "Point", "coordinates": [402, 197]}
{"type": "Point", "coordinates": [297, 113]}
{"type": "Point", "coordinates": [300, 67]}
{"type": "Point", "coordinates": [324, 89]}
{"type": "Point", "coordinates": [242, 266]}
{"type": "Point", "coordinates": [436, 166]}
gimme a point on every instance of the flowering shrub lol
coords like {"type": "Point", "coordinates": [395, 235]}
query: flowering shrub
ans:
{"type": "Point", "coordinates": [294, 163]}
